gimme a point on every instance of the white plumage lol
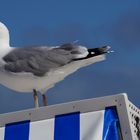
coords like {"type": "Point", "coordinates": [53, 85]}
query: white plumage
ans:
{"type": "Point", "coordinates": [26, 80]}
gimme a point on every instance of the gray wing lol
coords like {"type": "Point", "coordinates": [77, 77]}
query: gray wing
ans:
{"type": "Point", "coordinates": [37, 60]}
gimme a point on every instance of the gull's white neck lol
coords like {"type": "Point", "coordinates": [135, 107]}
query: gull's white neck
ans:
{"type": "Point", "coordinates": [4, 40]}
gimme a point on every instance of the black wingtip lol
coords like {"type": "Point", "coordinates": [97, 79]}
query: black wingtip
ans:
{"type": "Point", "coordinates": [99, 51]}
{"type": "Point", "coordinates": [96, 51]}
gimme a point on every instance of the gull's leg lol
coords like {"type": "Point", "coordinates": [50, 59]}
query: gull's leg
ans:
{"type": "Point", "coordinates": [44, 99]}
{"type": "Point", "coordinates": [35, 98]}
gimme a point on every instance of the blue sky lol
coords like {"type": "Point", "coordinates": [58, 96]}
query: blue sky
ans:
{"type": "Point", "coordinates": [94, 23]}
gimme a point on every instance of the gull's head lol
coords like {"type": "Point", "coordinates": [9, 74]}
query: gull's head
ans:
{"type": "Point", "coordinates": [4, 35]}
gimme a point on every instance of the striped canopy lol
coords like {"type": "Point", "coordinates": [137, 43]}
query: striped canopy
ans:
{"type": "Point", "coordinates": [97, 125]}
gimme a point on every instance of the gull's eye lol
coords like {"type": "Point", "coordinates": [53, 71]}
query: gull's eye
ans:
{"type": "Point", "coordinates": [92, 52]}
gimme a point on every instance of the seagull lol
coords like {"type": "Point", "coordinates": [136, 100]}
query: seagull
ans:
{"type": "Point", "coordinates": [37, 69]}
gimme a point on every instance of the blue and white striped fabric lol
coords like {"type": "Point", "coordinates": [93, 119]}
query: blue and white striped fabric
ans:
{"type": "Point", "coordinates": [98, 125]}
